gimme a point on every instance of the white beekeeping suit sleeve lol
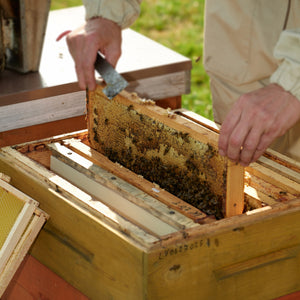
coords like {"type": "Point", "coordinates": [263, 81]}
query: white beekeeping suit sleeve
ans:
{"type": "Point", "coordinates": [287, 51]}
{"type": "Point", "coordinates": [122, 12]}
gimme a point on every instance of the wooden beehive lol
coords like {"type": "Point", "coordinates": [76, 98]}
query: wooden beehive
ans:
{"type": "Point", "coordinates": [167, 149]}
{"type": "Point", "coordinates": [107, 252]}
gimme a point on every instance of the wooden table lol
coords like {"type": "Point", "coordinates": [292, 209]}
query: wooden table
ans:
{"type": "Point", "coordinates": [49, 102]}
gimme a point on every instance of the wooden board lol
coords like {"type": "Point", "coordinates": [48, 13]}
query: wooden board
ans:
{"type": "Point", "coordinates": [138, 207]}
{"type": "Point", "coordinates": [171, 151]}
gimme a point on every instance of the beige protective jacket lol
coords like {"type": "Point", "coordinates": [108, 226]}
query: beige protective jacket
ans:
{"type": "Point", "coordinates": [246, 48]}
{"type": "Point", "coordinates": [123, 12]}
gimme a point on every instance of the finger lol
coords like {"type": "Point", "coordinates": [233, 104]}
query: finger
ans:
{"type": "Point", "coordinates": [236, 140]}
{"type": "Point", "coordinates": [250, 146]}
{"type": "Point", "coordinates": [80, 77]}
{"type": "Point", "coordinates": [88, 61]}
{"type": "Point", "coordinates": [62, 35]}
{"type": "Point", "coordinates": [265, 141]}
{"type": "Point", "coordinates": [227, 127]}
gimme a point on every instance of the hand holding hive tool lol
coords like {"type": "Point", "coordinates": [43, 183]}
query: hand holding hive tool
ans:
{"type": "Point", "coordinates": [115, 82]}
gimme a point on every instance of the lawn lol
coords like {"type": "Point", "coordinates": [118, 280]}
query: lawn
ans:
{"type": "Point", "coordinates": [177, 24]}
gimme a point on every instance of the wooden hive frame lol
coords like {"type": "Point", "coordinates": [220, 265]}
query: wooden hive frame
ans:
{"type": "Point", "coordinates": [179, 155]}
{"type": "Point", "coordinates": [20, 226]}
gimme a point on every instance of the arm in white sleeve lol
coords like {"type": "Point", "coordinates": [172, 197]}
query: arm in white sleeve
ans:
{"type": "Point", "coordinates": [122, 12]}
{"type": "Point", "coordinates": [287, 51]}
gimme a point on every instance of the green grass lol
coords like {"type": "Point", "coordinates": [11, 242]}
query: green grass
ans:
{"type": "Point", "coordinates": [177, 24]}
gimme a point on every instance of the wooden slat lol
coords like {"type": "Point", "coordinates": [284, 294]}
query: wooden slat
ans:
{"type": "Point", "coordinates": [286, 170]}
{"type": "Point", "coordinates": [44, 110]}
{"type": "Point", "coordinates": [127, 200]}
{"type": "Point", "coordinates": [79, 197]}
{"type": "Point", "coordinates": [273, 177]}
{"type": "Point", "coordinates": [41, 131]}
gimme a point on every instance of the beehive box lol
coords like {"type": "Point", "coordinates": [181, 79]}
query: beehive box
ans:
{"type": "Point", "coordinates": [115, 235]}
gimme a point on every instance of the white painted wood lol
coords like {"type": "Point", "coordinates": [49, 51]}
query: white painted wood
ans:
{"type": "Point", "coordinates": [112, 199]}
{"type": "Point", "coordinates": [77, 198]}
{"type": "Point", "coordinates": [143, 199]}
{"type": "Point", "coordinates": [161, 87]}
{"type": "Point", "coordinates": [42, 111]}
{"type": "Point", "coordinates": [70, 105]}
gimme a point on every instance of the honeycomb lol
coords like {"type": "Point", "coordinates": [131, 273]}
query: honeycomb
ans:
{"type": "Point", "coordinates": [188, 168]}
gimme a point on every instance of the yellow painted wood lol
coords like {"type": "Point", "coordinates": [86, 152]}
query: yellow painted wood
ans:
{"type": "Point", "coordinates": [10, 208]}
{"type": "Point", "coordinates": [94, 257]}
{"type": "Point", "coordinates": [249, 256]}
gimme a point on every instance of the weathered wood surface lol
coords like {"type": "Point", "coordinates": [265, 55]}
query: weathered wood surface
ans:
{"type": "Point", "coordinates": [25, 24]}
{"type": "Point", "coordinates": [256, 257]}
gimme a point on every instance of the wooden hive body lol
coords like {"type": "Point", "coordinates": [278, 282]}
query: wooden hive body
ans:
{"type": "Point", "coordinates": [102, 247]}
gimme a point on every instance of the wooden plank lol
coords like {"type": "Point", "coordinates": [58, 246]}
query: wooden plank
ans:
{"type": "Point", "coordinates": [130, 202]}
{"type": "Point", "coordinates": [132, 213]}
{"type": "Point", "coordinates": [41, 131]}
{"type": "Point", "coordinates": [146, 132]}
{"type": "Point", "coordinates": [161, 86]}
{"type": "Point", "coordinates": [285, 170]}
{"type": "Point", "coordinates": [177, 269]}
{"type": "Point", "coordinates": [234, 202]}
{"type": "Point", "coordinates": [137, 181]}
{"type": "Point", "coordinates": [13, 116]}
{"type": "Point", "coordinates": [273, 177]}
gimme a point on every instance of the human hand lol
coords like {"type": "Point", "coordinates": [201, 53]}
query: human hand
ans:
{"type": "Point", "coordinates": [255, 121]}
{"type": "Point", "coordinates": [98, 34]}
